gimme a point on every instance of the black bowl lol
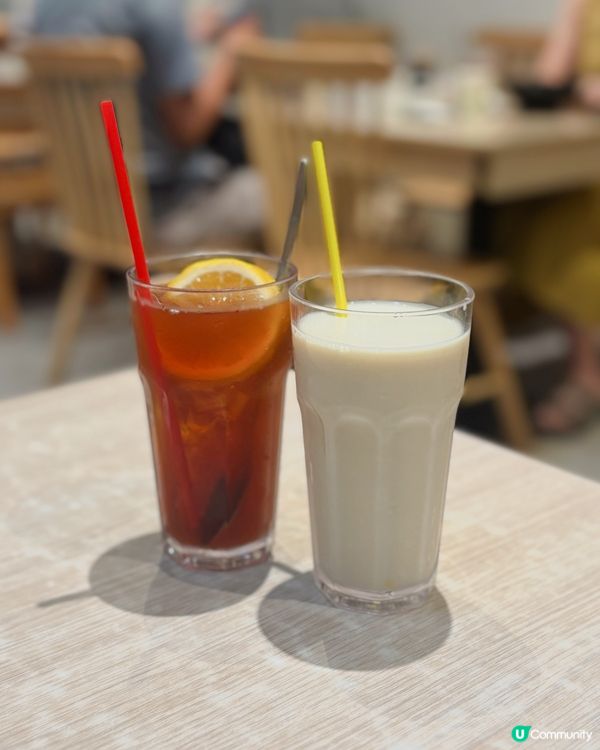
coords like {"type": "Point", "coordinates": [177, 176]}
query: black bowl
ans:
{"type": "Point", "coordinates": [534, 96]}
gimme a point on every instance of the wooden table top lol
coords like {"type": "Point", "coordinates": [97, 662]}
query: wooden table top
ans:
{"type": "Point", "coordinates": [519, 130]}
{"type": "Point", "coordinates": [103, 647]}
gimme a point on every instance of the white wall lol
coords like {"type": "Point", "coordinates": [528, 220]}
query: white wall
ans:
{"type": "Point", "coordinates": [443, 27]}
{"type": "Point", "coordinates": [439, 27]}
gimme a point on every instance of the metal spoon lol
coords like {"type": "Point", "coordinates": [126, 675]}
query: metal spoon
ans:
{"type": "Point", "coordinates": [295, 216]}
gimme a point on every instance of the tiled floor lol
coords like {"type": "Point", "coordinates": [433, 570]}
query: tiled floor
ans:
{"type": "Point", "coordinates": [106, 343]}
{"type": "Point", "coordinates": [579, 453]}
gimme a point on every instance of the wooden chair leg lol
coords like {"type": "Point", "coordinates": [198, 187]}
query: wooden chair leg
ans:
{"type": "Point", "coordinates": [99, 288]}
{"type": "Point", "coordinates": [490, 338]}
{"type": "Point", "coordinates": [75, 294]}
{"type": "Point", "coordinates": [9, 301]}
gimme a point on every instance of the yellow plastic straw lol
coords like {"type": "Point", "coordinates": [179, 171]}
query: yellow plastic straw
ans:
{"type": "Point", "coordinates": [329, 228]}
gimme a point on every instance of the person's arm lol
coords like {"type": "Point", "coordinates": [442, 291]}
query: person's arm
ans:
{"type": "Point", "coordinates": [189, 106]}
{"type": "Point", "coordinates": [190, 116]}
{"type": "Point", "coordinates": [210, 23]}
{"type": "Point", "coordinates": [557, 61]}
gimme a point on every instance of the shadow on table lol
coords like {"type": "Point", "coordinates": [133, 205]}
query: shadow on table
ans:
{"type": "Point", "coordinates": [135, 576]}
{"type": "Point", "coordinates": [297, 619]}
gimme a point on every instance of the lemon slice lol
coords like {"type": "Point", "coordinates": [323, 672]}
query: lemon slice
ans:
{"type": "Point", "coordinates": [241, 325]}
{"type": "Point", "coordinates": [219, 274]}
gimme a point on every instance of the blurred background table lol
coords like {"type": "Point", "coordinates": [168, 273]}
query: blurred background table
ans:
{"type": "Point", "coordinates": [104, 645]}
{"type": "Point", "coordinates": [519, 155]}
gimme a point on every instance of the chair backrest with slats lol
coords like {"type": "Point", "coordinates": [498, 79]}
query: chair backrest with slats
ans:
{"type": "Point", "coordinates": [293, 93]}
{"type": "Point", "coordinates": [69, 78]}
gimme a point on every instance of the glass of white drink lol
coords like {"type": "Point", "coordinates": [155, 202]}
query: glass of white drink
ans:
{"type": "Point", "coordinates": [379, 385]}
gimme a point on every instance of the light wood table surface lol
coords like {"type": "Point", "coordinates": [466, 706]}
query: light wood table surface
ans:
{"type": "Point", "coordinates": [517, 156]}
{"type": "Point", "coordinates": [102, 647]}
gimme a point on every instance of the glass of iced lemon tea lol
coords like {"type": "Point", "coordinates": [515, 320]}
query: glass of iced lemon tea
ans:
{"type": "Point", "coordinates": [214, 347]}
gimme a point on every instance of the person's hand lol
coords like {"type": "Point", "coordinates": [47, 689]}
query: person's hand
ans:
{"type": "Point", "coordinates": [239, 34]}
{"type": "Point", "coordinates": [589, 91]}
{"type": "Point", "coordinates": [207, 24]}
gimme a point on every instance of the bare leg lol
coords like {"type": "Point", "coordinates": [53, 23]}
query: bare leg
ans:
{"type": "Point", "coordinates": [585, 366]}
{"type": "Point", "coordinates": [577, 399]}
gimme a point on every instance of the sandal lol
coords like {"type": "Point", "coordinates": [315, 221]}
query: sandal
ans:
{"type": "Point", "coordinates": [569, 409]}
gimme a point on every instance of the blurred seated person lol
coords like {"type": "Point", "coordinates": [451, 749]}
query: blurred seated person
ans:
{"type": "Point", "coordinates": [556, 240]}
{"type": "Point", "coordinates": [196, 194]}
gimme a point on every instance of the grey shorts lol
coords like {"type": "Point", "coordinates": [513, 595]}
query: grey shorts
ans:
{"type": "Point", "coordinates": [233, 211]}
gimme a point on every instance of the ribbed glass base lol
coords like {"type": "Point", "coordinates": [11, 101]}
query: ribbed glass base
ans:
{"type": "Point", "coordinates": [197, 558]}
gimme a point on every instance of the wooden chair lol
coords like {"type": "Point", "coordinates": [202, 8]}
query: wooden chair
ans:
{"type": "Point", "coordinates": [293, 93]}
{"type": "Point", "coordinates": [348, 32]}
{"type": "Point", "coordinates": [513, 51]}
{"type": "Point", "coordinates": [4, 30]}
{"type": "Point", "coordinates": [297, 83]}
{"type": "Point", "coordinates": [68, 80]}
{"type": "Point", "coordinates": [25, 180]}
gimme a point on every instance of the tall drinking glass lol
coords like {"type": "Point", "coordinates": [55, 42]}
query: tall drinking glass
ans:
{"type": "Point", "coordinates": [213, 364]}
{"type": "Point", "coordinates": [379, 386]}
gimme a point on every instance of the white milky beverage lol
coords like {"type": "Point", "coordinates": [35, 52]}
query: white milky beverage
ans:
{"type": "Point", "coordinates": [378, 395]}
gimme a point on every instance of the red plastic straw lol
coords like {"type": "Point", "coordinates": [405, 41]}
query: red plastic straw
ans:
{"type": "Point", "coordinates": [111, 127]}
